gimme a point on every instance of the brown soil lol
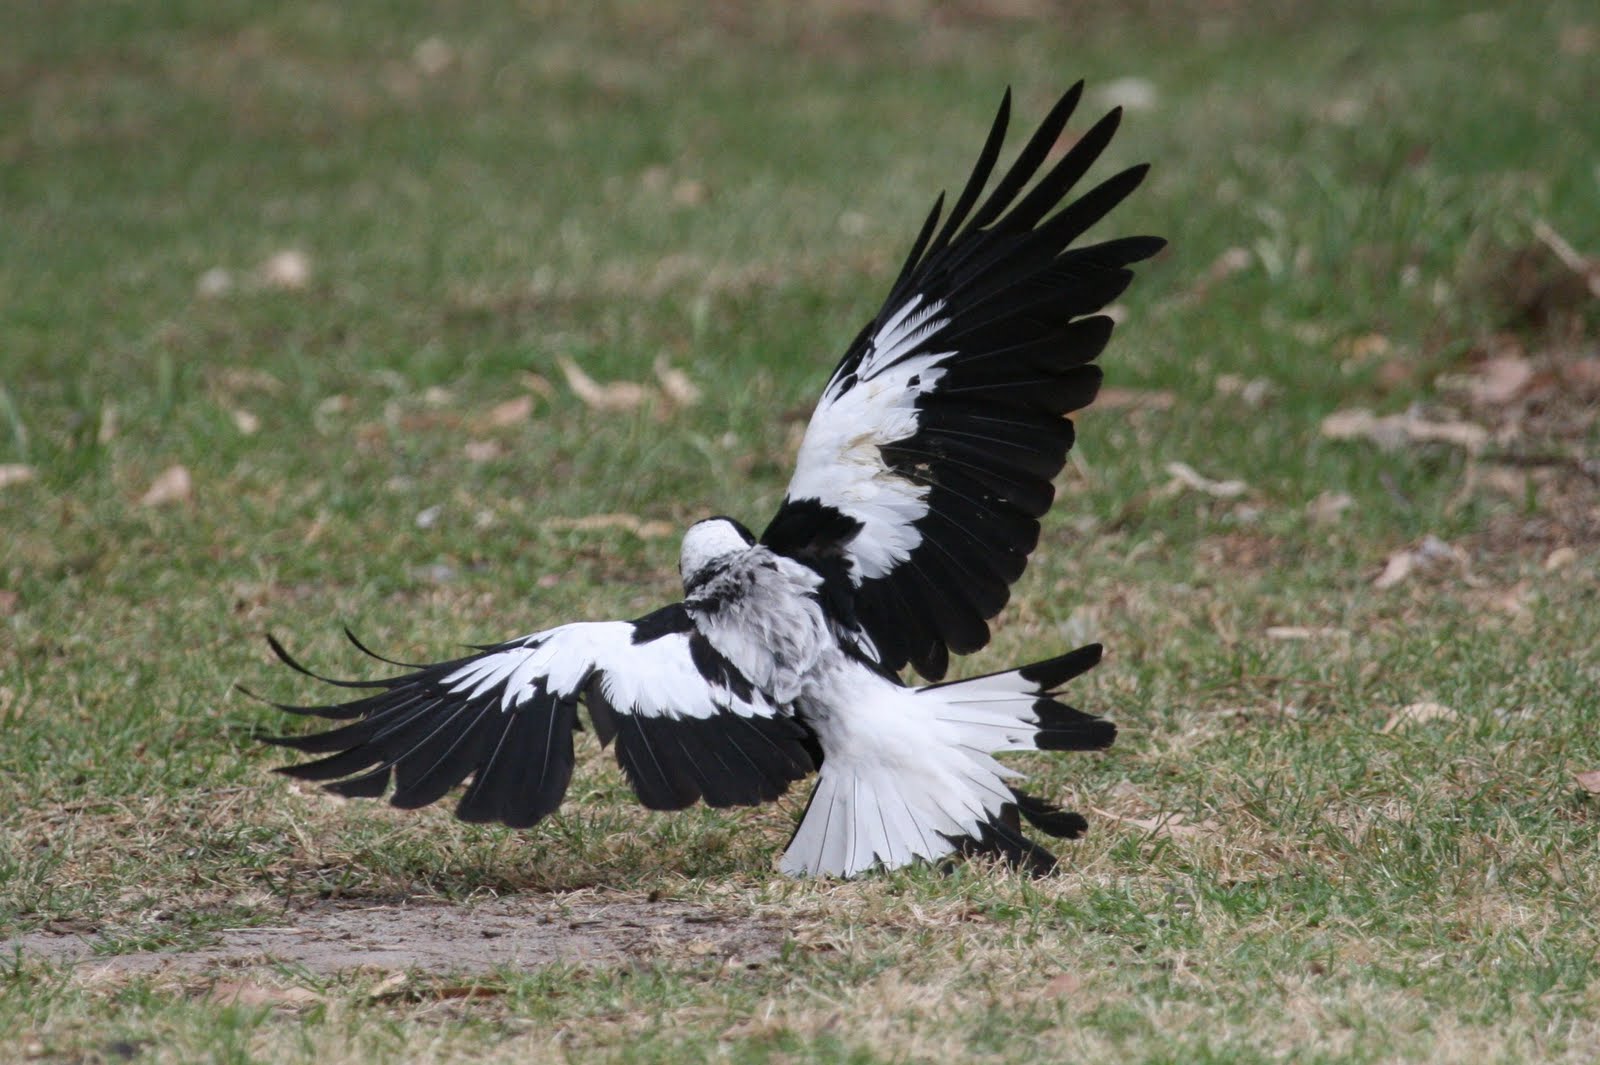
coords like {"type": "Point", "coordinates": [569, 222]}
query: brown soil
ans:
{"type": "Point", "coordinates": [429, 936]}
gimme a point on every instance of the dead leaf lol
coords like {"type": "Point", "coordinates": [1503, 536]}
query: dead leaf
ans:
{"type": "Point", "coordinates": [1393, 431]}
{"type": "Point", "coordinates": [1230, 262]}
{"type": "Point", "coordinates": [1417, 714]}
{"type": "Point", "coordinates": [1396, 569]}
{"type": "Point", "coordinates": [675, 384]}
{"type": "Point", "coordinates": [1589, 781]}
{"type": "Point", "coordinates": [1500, 380]}
{"type": "Point", "coordinates": [1304, 632]}
{"type": "Point", "coordinates": [618, 395]}
{"type": "Point", "coordinates": [509, 413]}
{"type": "Point", "coordinates": [172, 485]}
{"type": "Point", "coordinates": [245, 379]}
{"type": "Point", "coordinates": [1560, 558]}
{"type": "Point", "coordinates": [1252, 391]}
{"type": "Point", "coordinates": [590, 522]}
{"type": "Point", "coordinates": [390, 986]}
{"type": "Point", "coordinates": [645, 530]}
{"type": "Point", "coordinates": [1129, 93]}
{"type": "Point", "coordinates": [654, 178]}
{"type": "Point", "coordinates": [289, 269]}
{"type": "Point", "coordinates": [433, 56]}
{"type": "Point", "coordinates": [1508, 481]}
{"type": "Point", "coordinates": [247, 993]}
{"type": "Point", "coordinates": [482, 450]}
{"type": "Point", "coordinates": [1429, 554]}
{"type": "Point", "coordinates": [1185, 476]}
{"type": "Point", "coordinates": [214, 282]}
{"type": "Point", "coordinates": [15, 473]}
{"type": "Point", "coordinates": [1361, 423]}
{"type": "Point", "coordinates": [9, 602]}
{"type": "Point", "coordinates": [1329, 507]}
{"type": "Point", "coordinates": [1586, 268]}
{"type": "Point", "coordinates": [459, 991]}
{"type": "Point", "coordinates": [1512, 600]}
{"type": "Point", "coordinates": [539, 385]}
{"type": "Point", "coordinates": [1165, 824]}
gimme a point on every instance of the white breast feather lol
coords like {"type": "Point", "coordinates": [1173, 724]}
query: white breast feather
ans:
{"type": "Point", "coordinates": [766, 622]}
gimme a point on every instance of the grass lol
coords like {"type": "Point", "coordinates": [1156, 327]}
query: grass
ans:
{"type": "Point", "coordinates": [1285, 863]}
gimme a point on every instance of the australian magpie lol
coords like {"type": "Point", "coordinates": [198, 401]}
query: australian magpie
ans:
{"type": "Point", "coordinates": [914, 505]}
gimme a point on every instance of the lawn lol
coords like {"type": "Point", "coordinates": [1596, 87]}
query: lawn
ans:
{"type": "Point", "coordinates": [291, 301]}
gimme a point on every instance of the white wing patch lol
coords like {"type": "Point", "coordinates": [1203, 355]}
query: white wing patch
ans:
{"type": "Point", "coordinates": [908, 327]}
{"type": "Point", "coordinates": [841, 458]}
{"type": "Point", "coordinates": [657, 678]}
{"type": "Point", "coordinates": [661, 681]}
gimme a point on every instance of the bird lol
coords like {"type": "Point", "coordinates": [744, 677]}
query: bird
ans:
{"type": "Point", "coordinates": [915, 502]}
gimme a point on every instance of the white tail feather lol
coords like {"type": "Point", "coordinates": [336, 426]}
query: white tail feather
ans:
{"type": "Point", "coordinates": [909, 773]}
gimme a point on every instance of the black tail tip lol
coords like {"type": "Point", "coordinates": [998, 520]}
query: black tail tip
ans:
{"type": "Point", "coordinates": [1047, 817]}
{"type": "Point", "coordinates": [1002, 837]}
{"type": "Point", "coordinates": [1052, 673]}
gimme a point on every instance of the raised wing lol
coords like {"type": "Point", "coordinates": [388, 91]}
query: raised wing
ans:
{"type": "Point", "coordinates": [929, 459]}
{"type": "Point", "coordinates": [687, 726]}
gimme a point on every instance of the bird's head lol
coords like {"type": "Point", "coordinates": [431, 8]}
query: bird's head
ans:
{"type": "Point", "coordinates": [707, 545]}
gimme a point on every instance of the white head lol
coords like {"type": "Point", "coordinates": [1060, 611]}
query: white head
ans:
{"type": "Point", "coordinates": [708, 543]}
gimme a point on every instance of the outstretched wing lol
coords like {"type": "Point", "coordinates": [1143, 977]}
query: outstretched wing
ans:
{"type": "Point", "coordinates": [929, 459]}
{"type": "Point", "coordinates": [687, 725]}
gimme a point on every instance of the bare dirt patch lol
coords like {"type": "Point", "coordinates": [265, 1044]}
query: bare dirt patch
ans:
{"type": "Point", "coordinates": [429, 936]}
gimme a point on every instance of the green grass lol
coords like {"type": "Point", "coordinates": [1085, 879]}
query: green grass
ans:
{"type": "Point", "coordinates": [732, 191]}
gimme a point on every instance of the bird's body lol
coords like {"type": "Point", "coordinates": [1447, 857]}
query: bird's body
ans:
{"type": "Point", "coordinates": [906, 772]}
{"type": "Point", "coordinates": [760, 610]}
{"type": "Point", "coordinates": [913, 507]}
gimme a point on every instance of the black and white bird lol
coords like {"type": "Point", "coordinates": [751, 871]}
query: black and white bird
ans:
{"type": "Point", "coordinates": [914, 506]}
